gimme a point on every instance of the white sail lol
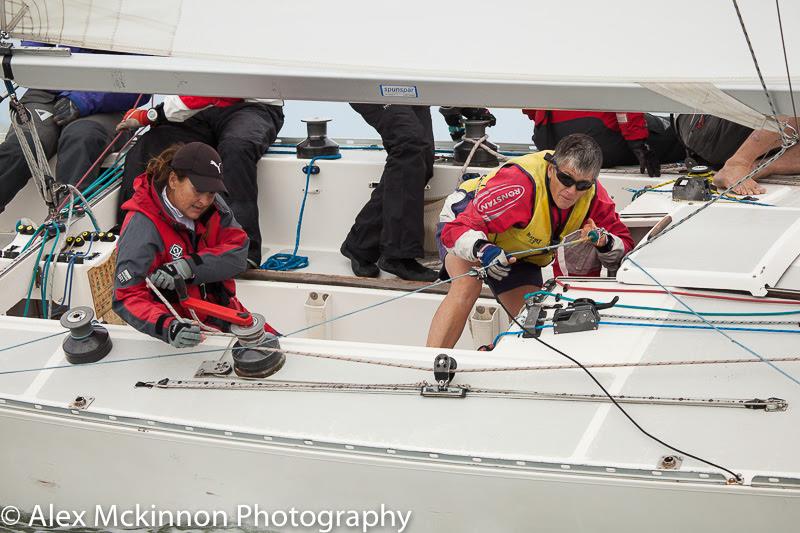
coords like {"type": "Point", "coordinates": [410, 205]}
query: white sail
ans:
{"type": "Point", "coordinates": [582, 54]}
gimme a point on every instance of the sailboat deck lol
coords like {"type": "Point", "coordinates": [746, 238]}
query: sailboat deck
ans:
{"type": "Point", "coordinates": [476, 427]}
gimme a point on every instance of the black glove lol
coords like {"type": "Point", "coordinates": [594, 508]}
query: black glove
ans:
{"type": "Point", "coordinates": [452, 117]}
{"type": "Point", "coordinates": [648, 159]}
{"type": "Point", "coordinates": [183, 335]}
{"type": "Point", "coordinates": [479, 113]}
{"type": "Point", "coordinates": [65, 111]}
{"type": "Point", "coordinates": [164, 276]}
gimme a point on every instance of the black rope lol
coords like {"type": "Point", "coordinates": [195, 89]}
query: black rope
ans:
{"type": "Point", "coordinates": [735, 476]}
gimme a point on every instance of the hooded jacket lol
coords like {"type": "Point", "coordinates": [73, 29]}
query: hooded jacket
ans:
{"type": "Point", "coordinates": [216, 252]}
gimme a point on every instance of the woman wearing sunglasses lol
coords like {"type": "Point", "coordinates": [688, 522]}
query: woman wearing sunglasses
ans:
{"type": "Point", "coordinates": [530, 202]}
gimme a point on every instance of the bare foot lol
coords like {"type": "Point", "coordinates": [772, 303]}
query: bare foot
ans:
{"type": "Point", "coordinates": [733, 172]}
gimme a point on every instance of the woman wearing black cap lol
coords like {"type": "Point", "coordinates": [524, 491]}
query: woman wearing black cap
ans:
{"type": "Point", "coordinates": [178, 227]}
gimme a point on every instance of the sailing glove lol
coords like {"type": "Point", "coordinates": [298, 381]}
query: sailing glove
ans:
{"type": "Point", "coordinates": [137, 118]}
{"type": "Point", "coordinates": [647, 157]}
{"type": "Point", "coordinates": [454, 117]}
{"type": "Point", "coordinates": [165, 275]}
{"type": "Point", "coordinates": [184, 335]}
{"type": "Point", "coordinates": [493, 259]}
{"type": "Point", "coordinates": [65, 111]}
{"type": "Point", "coordinates": [479, 113]}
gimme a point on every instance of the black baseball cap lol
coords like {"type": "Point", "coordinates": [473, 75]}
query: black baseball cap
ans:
{"type": "Point", "coordinates": [202, 165]}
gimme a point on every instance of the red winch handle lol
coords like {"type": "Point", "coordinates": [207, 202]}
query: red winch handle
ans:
{"type": "Point", "coordinates": [240, 318]}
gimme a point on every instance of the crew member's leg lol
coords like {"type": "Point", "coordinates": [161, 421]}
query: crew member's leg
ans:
{"type": "Point", "coordinates": [390, 225]}
{"type": "Point", "coordinates": [81, 143]}
{"type": "Point", "coordinates": [245, 132]}
{"type": "Point", "coordinates": [451, 317]}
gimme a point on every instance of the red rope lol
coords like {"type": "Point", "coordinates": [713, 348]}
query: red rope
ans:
{"type": "Point", "coordinates": [681, 293]}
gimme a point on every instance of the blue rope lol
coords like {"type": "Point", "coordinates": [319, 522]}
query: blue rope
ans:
{"type": "Point", "coordinates": [503, 334]}
{"type": "Point", "coordinates": [664, 309]}
{"type": "Point", "coordinates": [737, 343]}
{"type": "Point", "coordinates": [517, 333]}
{"type": "Point", "coordinates": [68, 282]}
{"type": "Point", "coordinates": [71, 273]}
{"type": "Point", "coordinates": [683, 326]}
{"type": "Point", "coordinates": [638, 192]}
{"type": "Point", "coordinates": [283, 261]}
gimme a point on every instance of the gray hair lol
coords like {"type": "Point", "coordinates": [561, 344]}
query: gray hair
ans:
{"type": "Point", "coordinates": [581, 152]}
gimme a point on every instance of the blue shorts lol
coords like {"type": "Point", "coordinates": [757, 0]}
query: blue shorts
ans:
{"type": "Point", "coordinates": [522, 273]}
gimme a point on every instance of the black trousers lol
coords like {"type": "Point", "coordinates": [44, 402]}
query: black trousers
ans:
{"type": "Point", "coordinates": [662, 138]}
{"type": "Point", "coordinates": [391, 223]}
{"type": "Point", "coordinates": [78, 145]}
{"type": "Point", "coordinates": [241, 133]}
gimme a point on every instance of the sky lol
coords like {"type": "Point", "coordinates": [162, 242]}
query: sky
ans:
{"type": "Point", "coordinates": [512, 125]}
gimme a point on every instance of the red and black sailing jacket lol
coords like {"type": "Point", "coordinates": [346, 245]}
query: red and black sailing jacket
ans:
{"type": "Point", "coordinates": [632, 126]}
{"type": "Point", "coordinates": [216, 252]}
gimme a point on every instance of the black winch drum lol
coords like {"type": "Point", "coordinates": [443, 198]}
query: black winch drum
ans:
{"type": "Point", "coordinates": [88, 341]}
{"type": "Point", "coordinates": [257, 354]}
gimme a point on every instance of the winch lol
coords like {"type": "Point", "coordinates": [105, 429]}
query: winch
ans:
{"type": "Point", "coordinates": [474, 131]}
{"type": "Point", "coordinates": [580, 315]}
{"type": "Point", "coordinates": [317, 143]}
{"type": "Point", "coordinates": [88, 341]}
{"type": "Point", "coordinates": [257, 353]}
{"type": "Point", "coordinates": [695, 186]}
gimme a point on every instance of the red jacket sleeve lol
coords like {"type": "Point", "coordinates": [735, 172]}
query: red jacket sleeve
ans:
{"type": "Point", "coordinates": [604, 213]}
{"type": "Point", "coordinates": [507, 201]}
{"type": "Point", "coordinates": [180, 108]}
{"type": "Point", "coordinates": [633, 126]}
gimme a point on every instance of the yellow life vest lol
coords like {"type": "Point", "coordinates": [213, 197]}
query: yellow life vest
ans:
{"type": "Point", "coordinates": [539, 232]}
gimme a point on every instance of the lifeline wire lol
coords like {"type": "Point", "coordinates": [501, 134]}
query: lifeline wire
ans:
{"type": "Point", "coordinates": [786, 61]}
{"type": "Point", "coordinates": [737, 343]}
{"type": "Point", "coordinates": [474, 271]}
{"type": "Point", "coordinates": [737, 477]}
{"type": "Point", "coordinates": [755, 61]}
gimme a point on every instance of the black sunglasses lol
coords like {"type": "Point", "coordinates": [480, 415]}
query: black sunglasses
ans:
{"type": "Point", "coordinates": [568, 181]}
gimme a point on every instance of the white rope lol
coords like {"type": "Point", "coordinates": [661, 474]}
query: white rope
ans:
{"type": "Point", "coordinates": [479, 143]}
{"type": "Point", "coordinates": [206, 329]}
